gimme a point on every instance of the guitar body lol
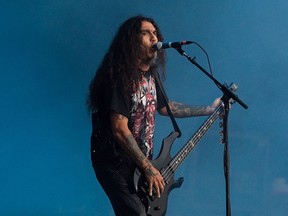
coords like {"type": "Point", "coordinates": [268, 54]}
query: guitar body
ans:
{"type": "Point", "coordinates": [158, 205]}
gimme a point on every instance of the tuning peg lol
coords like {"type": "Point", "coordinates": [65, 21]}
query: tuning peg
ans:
{"type": "Point", "coordinates": [221, 124]}
{"type": "Point", "coordinates": [221, 139]}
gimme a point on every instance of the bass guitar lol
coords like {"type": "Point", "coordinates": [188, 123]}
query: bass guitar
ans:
{"type": "Point", "coordinates": [168, 166]}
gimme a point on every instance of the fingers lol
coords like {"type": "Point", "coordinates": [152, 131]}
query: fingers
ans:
{"type": "Point", "coordinates": [150, 188]}
{"type": "Point", "coordinates": [217, 102]}
{"type": "Point", "coordinates": [158, 185]}
{"type": "Point", "coordinates": [159, 189]}
{"type": "Point", "coordinates": [162, 186]}
{"type": "Point", "coordinates": [155, 181]}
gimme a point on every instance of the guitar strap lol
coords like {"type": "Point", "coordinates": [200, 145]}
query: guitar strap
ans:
{"type": "Point", "coordinates": [174, 123]}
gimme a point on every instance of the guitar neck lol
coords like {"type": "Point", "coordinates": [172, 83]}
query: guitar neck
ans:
{"type": "Point", "coordinates": [191, 143]}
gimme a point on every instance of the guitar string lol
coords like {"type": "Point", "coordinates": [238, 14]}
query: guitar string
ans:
{"type": "Point", "coordinates": [183, 153]}
{"type": "Point", "coordinates": [177, 160]}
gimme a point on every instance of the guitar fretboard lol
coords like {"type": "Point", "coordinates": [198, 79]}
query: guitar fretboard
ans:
{"type": "Point", "coordinates": [177, 160]}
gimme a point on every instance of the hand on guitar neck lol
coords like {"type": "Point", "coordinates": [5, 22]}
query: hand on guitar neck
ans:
{"type": "Point", "coordinates": [215, 104]}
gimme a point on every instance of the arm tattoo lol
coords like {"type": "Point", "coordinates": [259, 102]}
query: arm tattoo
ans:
{"type": "Point", "coordinates": [138, 156]}
{"type": "Point", "coordinates": [148, 171]}
{"type": "Point", "coordinates": [133, 150]}
{"type": "Point", "coordinates": [130, 146]}
{"type": "Point", "coordinates": [182, 110]}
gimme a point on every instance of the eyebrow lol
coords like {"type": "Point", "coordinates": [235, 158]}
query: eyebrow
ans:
{"type": "Point", "coordinates": [148, 30]}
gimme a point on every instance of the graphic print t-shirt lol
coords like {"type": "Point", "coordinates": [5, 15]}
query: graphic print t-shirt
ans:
{"type": "Point", "coordinates": [144, 105]}
{"type": "Point", "coordinates": [140, 110]}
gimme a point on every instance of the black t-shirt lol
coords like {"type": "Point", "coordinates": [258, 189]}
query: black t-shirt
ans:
{"type": "Point", "coordinates": [140, 109]}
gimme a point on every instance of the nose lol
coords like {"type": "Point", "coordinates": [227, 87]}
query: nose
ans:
{"type": "Point", "coordinates": [154, 38]}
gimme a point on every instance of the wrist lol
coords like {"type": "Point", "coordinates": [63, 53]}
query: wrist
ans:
{"type": "Point", "coordinates": [147, 166]}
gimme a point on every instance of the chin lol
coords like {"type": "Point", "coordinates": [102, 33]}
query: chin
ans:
{"type": "Point", "coordinates": [153, 59]}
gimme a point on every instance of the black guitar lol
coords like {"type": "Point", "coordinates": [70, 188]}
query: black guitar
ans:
{"type": "Point", "coordinates": [168, 166]}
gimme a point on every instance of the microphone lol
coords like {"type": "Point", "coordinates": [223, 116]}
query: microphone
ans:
{"type": "Point", "coordinates": [161, 45]}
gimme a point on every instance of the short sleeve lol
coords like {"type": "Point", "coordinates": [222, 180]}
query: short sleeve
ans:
{"type": "Point", "coordinates": [119, 102]}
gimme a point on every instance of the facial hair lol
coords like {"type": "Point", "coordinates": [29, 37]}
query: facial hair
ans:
{"type": "Point", "coordinates": [150, 57]}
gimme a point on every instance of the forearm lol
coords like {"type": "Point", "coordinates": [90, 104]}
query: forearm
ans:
{"type": "Point", "coordinates": [180, 110]}
{"type": "Point", "coordinates": [130, 146]}
{"type": "Point", "coordinates": [126, 141]}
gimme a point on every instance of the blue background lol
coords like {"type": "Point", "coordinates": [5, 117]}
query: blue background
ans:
{"type": "Point", "coordinates": [49, 53]}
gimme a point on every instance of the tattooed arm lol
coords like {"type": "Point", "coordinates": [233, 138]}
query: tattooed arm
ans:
{"type": "Point", "coordinates": [180, 110]}
{"type": "Point", "coordinates": [127, 142]}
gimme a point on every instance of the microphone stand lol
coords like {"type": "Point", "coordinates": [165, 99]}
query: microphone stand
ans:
{"type": "Point", "coordinates": [227, 95]}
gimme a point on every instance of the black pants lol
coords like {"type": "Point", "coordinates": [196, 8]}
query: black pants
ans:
{"type": "Point", "coordinates": [116, 178]}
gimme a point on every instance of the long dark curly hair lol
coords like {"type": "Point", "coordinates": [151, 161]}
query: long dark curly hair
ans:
{"type": "Point", "coordinates": [121, 62]}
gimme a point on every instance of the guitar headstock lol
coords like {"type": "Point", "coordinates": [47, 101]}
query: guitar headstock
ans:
{"type": "Point", "coordinates": [233, 88]}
